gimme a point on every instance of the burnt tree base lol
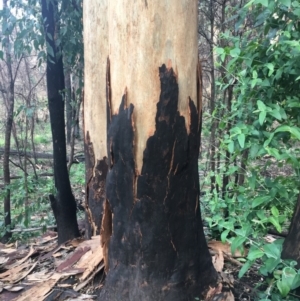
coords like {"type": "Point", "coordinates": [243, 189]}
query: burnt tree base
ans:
{"type": "Point", "coordinates": [157, 249]}
{"type": "Point", "coordinates": [65, 217]}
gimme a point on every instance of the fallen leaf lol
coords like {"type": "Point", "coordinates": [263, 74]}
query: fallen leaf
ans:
{"type": "Point", "coordinates": [217, 246]}
{"type": "Point", "coordinates": [218, 261]}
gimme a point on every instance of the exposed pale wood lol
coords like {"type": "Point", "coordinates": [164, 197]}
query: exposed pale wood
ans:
{"type": "Point", "coordinates": [142, 37]}
{"type": "Point", "coordinates": [136, 47]}
{"type": "Point", "coordinates": [95, 25]}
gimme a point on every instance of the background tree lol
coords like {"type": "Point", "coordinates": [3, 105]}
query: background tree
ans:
{"type": "Point", "coordinates": [9, 118]}
{"type": "Point", "coordinates": [63, 203]}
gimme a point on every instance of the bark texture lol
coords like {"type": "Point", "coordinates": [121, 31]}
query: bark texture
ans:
{"type": "Point", "coordinates": [157, 249]}
{"type": "Point", "coordinates": [63, 203]}
{"type": "Point", "coordinates": [291, 245]}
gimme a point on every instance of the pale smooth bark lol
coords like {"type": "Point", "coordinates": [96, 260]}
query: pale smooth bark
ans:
{"type": "Point", "coordinates": [138, 37]}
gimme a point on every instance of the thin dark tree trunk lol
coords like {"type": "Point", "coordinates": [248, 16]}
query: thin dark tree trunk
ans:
{"type": "Point", "coordinates": [212, 100]}
{"type": "Point", "coordinates": [73, 132]}
{"type": "Point", "coordinates": [63, 204]}
{"type": "Point", "coordinates": [69, 108]}
{"type": "Point", "coordinates": [8, 130]}
{"type": "Point", "coordinates": [291, 244]}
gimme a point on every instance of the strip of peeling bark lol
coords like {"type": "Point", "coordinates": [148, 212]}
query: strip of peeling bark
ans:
{"type": "Point", "coordinates": [95, 189]}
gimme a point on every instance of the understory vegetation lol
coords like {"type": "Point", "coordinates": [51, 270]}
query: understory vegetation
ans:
{"type": "Point", "coordinates": [253, 186]}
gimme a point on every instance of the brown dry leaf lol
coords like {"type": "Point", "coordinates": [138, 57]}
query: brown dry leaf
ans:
{"type": "Point", "coordinates": [218, 261]}
{"type": "Point", "coordinates": [38, 292]}
{"type": "Point", "coordinates": [216, 294]}
{"type": "Point", "coordinates": [217, 246]}
{"type": "Point", "coordinates": [212, 291]}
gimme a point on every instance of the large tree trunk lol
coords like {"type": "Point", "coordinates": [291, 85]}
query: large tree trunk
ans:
{"type": "Point", "coordinates": [142, 136]}
{"type": "Point", "coordinates": [63, 204]}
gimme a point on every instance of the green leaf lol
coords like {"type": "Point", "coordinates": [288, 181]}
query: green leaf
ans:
{"type": "Point", "coordinates": [219, 50]}
{"type": "Point", "coordinates": [269, 265]}
{"type": "Point", "coordinates": [273, 152]}
{"type": "Point", "coordinates": [296, 282]}
{"type": "Point", "coordinates": [231, 147]}
{"type": "Point", "coordinates": [262, 199]}
{"type": "Point", "coordinates": [237, 242]}
{"type": "Point", "coordinates": [262, 117]}
{"type": "Point", "coordinates": [275, 211]}
{"type": "Point", "coordinates": [224, 235]}
{"type": "Point", "coordinates": [245, 268]}
{"type": "Point", "coordinates": [275, 223]}
{"type": "Point", "coordinates": [283, 288]}
{"type": "Point", "coordinates": [270, 66]}
{"type": "Point", "coordinates": [254, 150]}
{"type": "Point", "coordinates": [285, 2]}
{"type": "Point", "coordinates": [241, 139]}
{"type": "Point", "coordinates": [262, 2]}
{"type": "Point", "coordinates": [50, 50]}
{"type": "Point", "coordinates": [235, 52]}
{"type": "Point", "coordinates": [275, 113]}
{"type": "Point", "coordinates": [255, 253]}
{"type": "Point", "coordinates": [273, 250]}
{"type": "Point", "coordinates": [295, 131]}
{"type": "Point", "coordinates": [261, 106]}
{"type": "Point", "coordinates": [252, 181]}
{"type": "Point", "coordinates": [288, 276]}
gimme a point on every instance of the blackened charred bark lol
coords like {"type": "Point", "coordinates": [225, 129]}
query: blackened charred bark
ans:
{"type": "Point", "coordinates": [291, 244]}
{"type": "Point", "coordinates": [63, 204]}
{"type": "Point", "coordinates": [157, 249]}
{"type": "Point", "coordinates": [69, 109]}
{"type": "Point", "coordinates": [95, 189]}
